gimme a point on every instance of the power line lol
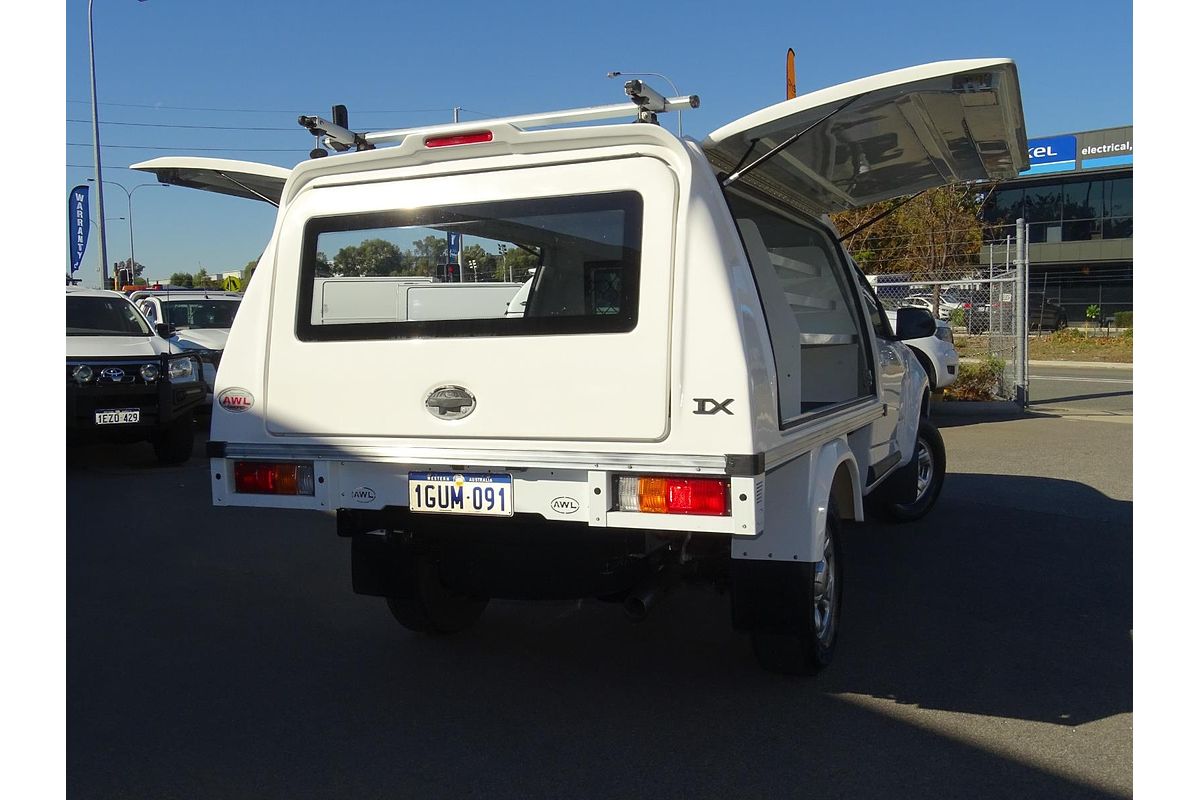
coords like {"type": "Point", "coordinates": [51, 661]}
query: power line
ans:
{"type": "Point", "coordinates": [292, 129]}
{"type": "Point", "coordinates": [262, 110]}
{"type": "Point", "coordinates": [190, 148]}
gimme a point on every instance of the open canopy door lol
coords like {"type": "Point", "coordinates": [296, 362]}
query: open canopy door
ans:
{"type": "Point", "coordinates": [239, 178]}
{"type": "Point", "coordinates": [882, 137]}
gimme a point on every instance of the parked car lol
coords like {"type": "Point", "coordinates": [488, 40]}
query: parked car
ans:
{"type": "Point", "coordinates": [198, 322]}
{"type": "Point", "coordinates": [947, 303]}
{"type": "Point", "coordinates": [936, 352]}
{"type": "Point", "coordinates": [692, 390]}
{"type": "Point", "coordinates": [123, 381]}
{"type": "Point", "coordinates": [1044, 314]}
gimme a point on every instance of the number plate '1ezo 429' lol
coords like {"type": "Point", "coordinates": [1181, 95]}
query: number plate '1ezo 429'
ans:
{"type": "Point", "coordinates": [483, 494]}
{"type": "Point", "coordinates": [118, 416]}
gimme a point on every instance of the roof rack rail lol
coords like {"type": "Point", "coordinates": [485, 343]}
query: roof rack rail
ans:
{"type": "Point", "coordinates": [645, 103]}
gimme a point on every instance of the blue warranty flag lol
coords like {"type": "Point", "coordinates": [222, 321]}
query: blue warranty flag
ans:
{"type": "Point", "coordinates": [77, 224]}
{"type": "Point", "coordinates": [453, 242]}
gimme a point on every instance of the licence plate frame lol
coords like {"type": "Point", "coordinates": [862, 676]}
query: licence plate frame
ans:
{"type": "Point", "coordinates": [117, 416]}
{"type": "Point", "coordinates": [472, 494]}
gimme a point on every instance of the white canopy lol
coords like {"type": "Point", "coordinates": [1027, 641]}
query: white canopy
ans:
{"type": "Point", "coordinates": [901, 132]}
{"type": "Point", "coordinates": [239, 178]}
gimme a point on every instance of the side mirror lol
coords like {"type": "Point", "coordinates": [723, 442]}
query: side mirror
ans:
{"type": "Point", "coordinates": [914, 323]}
{"type": "Point", "coordinates": [164, 330]}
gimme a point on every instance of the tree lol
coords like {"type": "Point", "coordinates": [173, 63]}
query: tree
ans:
{"type": "Point", "coordinates": [371, 257]}
{"type": "Point", "coordinates": [248, 272]}
{"type": "Point", "coordinates": [936, 235]}
{"type": "Point", "coordinates": [517, 262]}
{"type": "Point", "coordinates": [428, 253]}
{"type": "Point", "coordinates": [124, 264]}
{"type": "Point", "coordinates": [202, 280]}
{"type": "Point", "coordinates": [182, 279]}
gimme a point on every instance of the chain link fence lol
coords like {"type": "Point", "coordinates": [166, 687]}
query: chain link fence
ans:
{"type": "Point", "coordinates": [986, 305]}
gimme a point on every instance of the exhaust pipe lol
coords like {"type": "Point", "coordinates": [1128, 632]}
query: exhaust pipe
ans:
{"type": "Point", "coordinates": [646, 594]}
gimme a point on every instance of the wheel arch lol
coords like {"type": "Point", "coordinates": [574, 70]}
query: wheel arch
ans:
{"type": "Point", "coordinates": [797, 504]}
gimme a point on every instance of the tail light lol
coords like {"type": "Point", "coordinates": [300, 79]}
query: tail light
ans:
{"type": "Point", "coordinates": [670, 495]}
{"type": "Point", "coordinates": [262, 477]}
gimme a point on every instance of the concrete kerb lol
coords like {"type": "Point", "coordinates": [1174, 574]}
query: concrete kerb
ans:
{"type": "Point", "coordinates": [1080, 364]}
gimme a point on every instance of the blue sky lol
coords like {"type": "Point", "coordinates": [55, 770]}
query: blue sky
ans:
{"type": "Point", "coordinates": [163, 65]}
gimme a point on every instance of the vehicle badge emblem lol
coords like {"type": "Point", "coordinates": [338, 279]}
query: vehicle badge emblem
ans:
{"type": "Point", "coordinates": [235, 400]}
{"type": "Point", "coordinates": [112, 374]}
{"type": "Point", "coordinates": [450, 402]}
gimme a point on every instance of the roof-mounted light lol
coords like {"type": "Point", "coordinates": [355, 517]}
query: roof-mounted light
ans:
{"type": "Point", "coordinates": [474, 137]}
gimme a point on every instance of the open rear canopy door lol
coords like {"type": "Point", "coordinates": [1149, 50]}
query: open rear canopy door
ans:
{"type": "Point", "coordinates": [239, 178]}
{"type": "Point", "coordinates": [901, 132]}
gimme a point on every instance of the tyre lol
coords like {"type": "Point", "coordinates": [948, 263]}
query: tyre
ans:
{"type": "Point", "coordinates": [429, 606]}
{"type": "Point", "coordinates": [930, 455]}
{"type": "Point", "coordinates": [801, 639]}
{"type": "Point", "coordinates": [173, 444]}
{"type": "Point", "coordinates": [1061, 324]}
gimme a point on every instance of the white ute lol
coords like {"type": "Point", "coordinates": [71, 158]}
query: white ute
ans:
{"type": "Point", "coordinates": [693, 388]}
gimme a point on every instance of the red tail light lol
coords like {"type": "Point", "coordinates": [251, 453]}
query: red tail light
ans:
{"type": "Point", "coordinates": [670, 495]}
{"type": "Point", "coordinates": [475, 137]}
{"type": "Point", "coordinates": [261, 477]}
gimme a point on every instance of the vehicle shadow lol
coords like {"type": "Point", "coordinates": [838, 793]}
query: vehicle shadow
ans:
{"type": "Point", "coordinates": [1068, 398]}
{"type": "Point", "coordinates": [224, 655]}
{"type": "Point", "coordinates": [959, 419]}
{"type": "Point", "coordinates": [1013, 598]}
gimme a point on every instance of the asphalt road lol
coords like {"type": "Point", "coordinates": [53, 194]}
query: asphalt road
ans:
{"type": "Point", "coordinates": [986, 653]}
{"type": "Point", "coordinates": [1104, 388]}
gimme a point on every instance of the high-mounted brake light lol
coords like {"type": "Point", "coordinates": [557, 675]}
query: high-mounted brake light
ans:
{"type": "Point", "coordinates": [670, 495]}
{"type": "Point", "coordinates": [262, 477]}
{"type": "Point", "coordinates": [475, 137]}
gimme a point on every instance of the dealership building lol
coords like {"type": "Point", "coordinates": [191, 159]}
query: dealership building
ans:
{"type": "Point", "coordinates": [1077, 198]}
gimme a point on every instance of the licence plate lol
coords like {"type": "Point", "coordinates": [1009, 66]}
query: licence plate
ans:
{"type": "Point", "coordinates": [118, 416]}
{"type": "Point", "coordinates": [477, 493]}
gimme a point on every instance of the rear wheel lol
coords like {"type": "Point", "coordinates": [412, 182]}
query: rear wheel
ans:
{"type": "Point", "coordinates": [429, 606]}
{"type": "Point", "coordinates": [930, 455]}
{"type": "Point", "coordinates": [1062, 323]}
{"type": "Point", "coordinates": [173, 444]}
{"type": "Point", "coordinates": [801, 640]}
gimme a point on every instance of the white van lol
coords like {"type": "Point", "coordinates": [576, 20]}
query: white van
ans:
{"type": "Point", "coordinates": [694, 390]}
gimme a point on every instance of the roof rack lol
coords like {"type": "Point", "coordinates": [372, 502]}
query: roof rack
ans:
{"type": "Point", "coordinates": [647, 104]}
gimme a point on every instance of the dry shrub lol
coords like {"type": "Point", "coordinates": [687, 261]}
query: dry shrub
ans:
{"type": "Point", "coordinates": [981, 381]}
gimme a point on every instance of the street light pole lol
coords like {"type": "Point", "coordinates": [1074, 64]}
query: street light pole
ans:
{"type": "Point", "coordinates": [674, 88]}
{"type": "Point", "coordinates": [96, 153]}
{"type": "Point", "coordinates": [129, 205]}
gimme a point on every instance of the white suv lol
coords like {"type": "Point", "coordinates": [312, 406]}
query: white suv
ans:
{"type": "Point", "coordinates": [123, 383]}
{"type": "Point", "coordinates": [198, 321]}
{"type": "Point", "coordinates": [936, 353]}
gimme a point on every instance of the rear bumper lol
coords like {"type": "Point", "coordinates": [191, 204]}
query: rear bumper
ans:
{"type": "Point", "coordinates": [572, 495]}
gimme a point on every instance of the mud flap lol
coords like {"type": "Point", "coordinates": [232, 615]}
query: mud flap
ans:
{"type": "Point", "coordinates": [899, 487]}
{"type": "Point", "coordinates": [767, 595]}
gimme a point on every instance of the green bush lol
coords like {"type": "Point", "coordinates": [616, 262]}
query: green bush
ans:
{"type": "Point", "coordinates": [980, 381]}
{"type": "Point", "coordinates": [958, 317]}
{"type": "Point", "coordinates": [1123, 319]}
